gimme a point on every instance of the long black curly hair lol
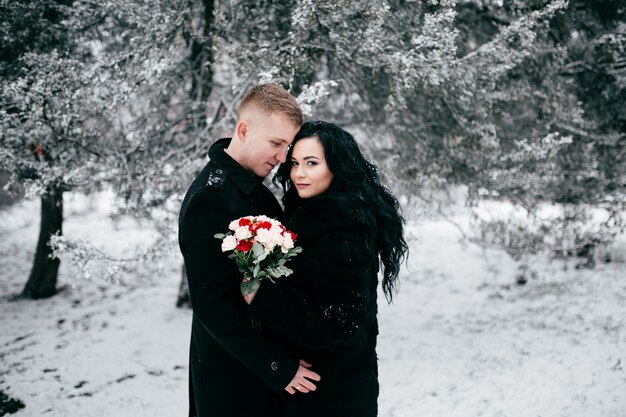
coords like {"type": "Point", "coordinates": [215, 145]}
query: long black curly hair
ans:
{"type": "Point", "coordinates": [354, 175]}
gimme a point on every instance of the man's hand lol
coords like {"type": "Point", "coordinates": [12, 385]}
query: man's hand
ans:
{"type": "Point", "coordinates": [248, 298]}
{"type": "Point", "coordinates": [300, 382]}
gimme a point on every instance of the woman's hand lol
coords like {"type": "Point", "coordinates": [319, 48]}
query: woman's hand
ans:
{"type": "Point", "coordinates": [248, 298]}
{"type": "Point", "coordinates": [301, 382]}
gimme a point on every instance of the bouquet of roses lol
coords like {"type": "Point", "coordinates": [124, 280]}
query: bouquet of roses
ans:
{"type": "Point", "coordinates": [261, 246]}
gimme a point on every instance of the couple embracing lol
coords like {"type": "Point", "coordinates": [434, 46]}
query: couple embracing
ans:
{"type": "Point", "coordinates": [314, 353]}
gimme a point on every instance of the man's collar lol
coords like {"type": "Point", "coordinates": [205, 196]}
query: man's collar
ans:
{"type": "Point", "coordinates": [244, 179]}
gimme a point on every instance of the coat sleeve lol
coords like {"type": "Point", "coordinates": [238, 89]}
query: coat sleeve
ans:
{"type": "Point", "coordinates": [326, 301]}
{"type": "Point", "coordinates": [216, 298]}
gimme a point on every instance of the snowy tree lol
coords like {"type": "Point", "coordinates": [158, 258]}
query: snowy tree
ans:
{"type": "Point", "coordinates": [26, 30]}
{"type": "Point", "coordinates": [557, 128]}
{"type": "Point", "coordinates": [94, 94]}
{"type": "Point", "coordinates": [515, 100]}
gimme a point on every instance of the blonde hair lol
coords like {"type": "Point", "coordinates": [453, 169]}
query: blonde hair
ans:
{"type": "Point", "coordinates": [271, 98]}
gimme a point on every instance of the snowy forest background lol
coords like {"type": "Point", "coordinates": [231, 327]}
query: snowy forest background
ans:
{"type": "Point", "coordinates": [500, 125]}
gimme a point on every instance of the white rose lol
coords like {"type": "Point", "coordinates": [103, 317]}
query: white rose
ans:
{"type": "Point", "coordinates": [277, 235]}
{"type": "Point", "coordinates": [229, 243]}
{"type": "Point", "coordinates": [233, 225]}
{"type": "Point", "coordinates": [242, 233]}
{"type": "Point", "coordinates": [287, 243]}
{"type": "Point", "coordinates": [266, 238]}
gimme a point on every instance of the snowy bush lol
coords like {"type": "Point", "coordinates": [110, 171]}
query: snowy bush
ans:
{"type": "Point", "coordinates": [588, 233]}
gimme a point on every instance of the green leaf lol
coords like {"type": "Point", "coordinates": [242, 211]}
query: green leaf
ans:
{"type": "Point", "coordinates": [259, 252]}
{"type": "Point", "coordinates": [250, 286]}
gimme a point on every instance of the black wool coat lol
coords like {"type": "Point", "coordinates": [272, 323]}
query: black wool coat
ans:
{"type": "Point", "coordinates": [326, 310]}
{"type": "Point", "coordinates": [234, 371]}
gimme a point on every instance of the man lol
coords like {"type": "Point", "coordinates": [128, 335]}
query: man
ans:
{"type": "Point", "coordinates": [235, 371]}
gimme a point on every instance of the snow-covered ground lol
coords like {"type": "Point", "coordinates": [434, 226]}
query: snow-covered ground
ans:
{"type": "Point", "coordinates": [461, 339]}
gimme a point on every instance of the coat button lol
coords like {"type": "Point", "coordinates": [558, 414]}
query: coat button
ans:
{"type": "Point", "coordinates": [274, 366]}
{"type": "Point", "coordinates": [218, 171]}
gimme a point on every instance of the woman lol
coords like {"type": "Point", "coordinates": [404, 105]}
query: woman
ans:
{"type": "Point", "coordinates": [326, 311]}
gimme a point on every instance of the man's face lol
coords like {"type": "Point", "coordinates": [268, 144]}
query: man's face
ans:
{"type": "Point", "coordinates": [267, 139]}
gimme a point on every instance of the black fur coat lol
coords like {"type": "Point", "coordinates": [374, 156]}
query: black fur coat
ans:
{"type": "Point", "coordinates": [326, 311]}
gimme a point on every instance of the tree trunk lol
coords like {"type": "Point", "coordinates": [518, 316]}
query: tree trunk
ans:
{"type": "Point", "coordinates": [43, 277]}
{"type": "Point", "coordinates": [201, 61]}
{"type": "Point", "coordinates": [184, 300]}
{"type": "Point", "coordinates": [202, 57]}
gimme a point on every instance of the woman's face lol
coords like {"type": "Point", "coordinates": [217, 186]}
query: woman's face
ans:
{"type": "Point", "coordinates": [309, 171]}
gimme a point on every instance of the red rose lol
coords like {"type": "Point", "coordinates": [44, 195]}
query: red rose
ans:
{"type": "Point", "coordinates": [244, 245]}
{"type": "Point", "coordinates": [263, 225]}
{"type": "Point", "coordinates": [246, 222]}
